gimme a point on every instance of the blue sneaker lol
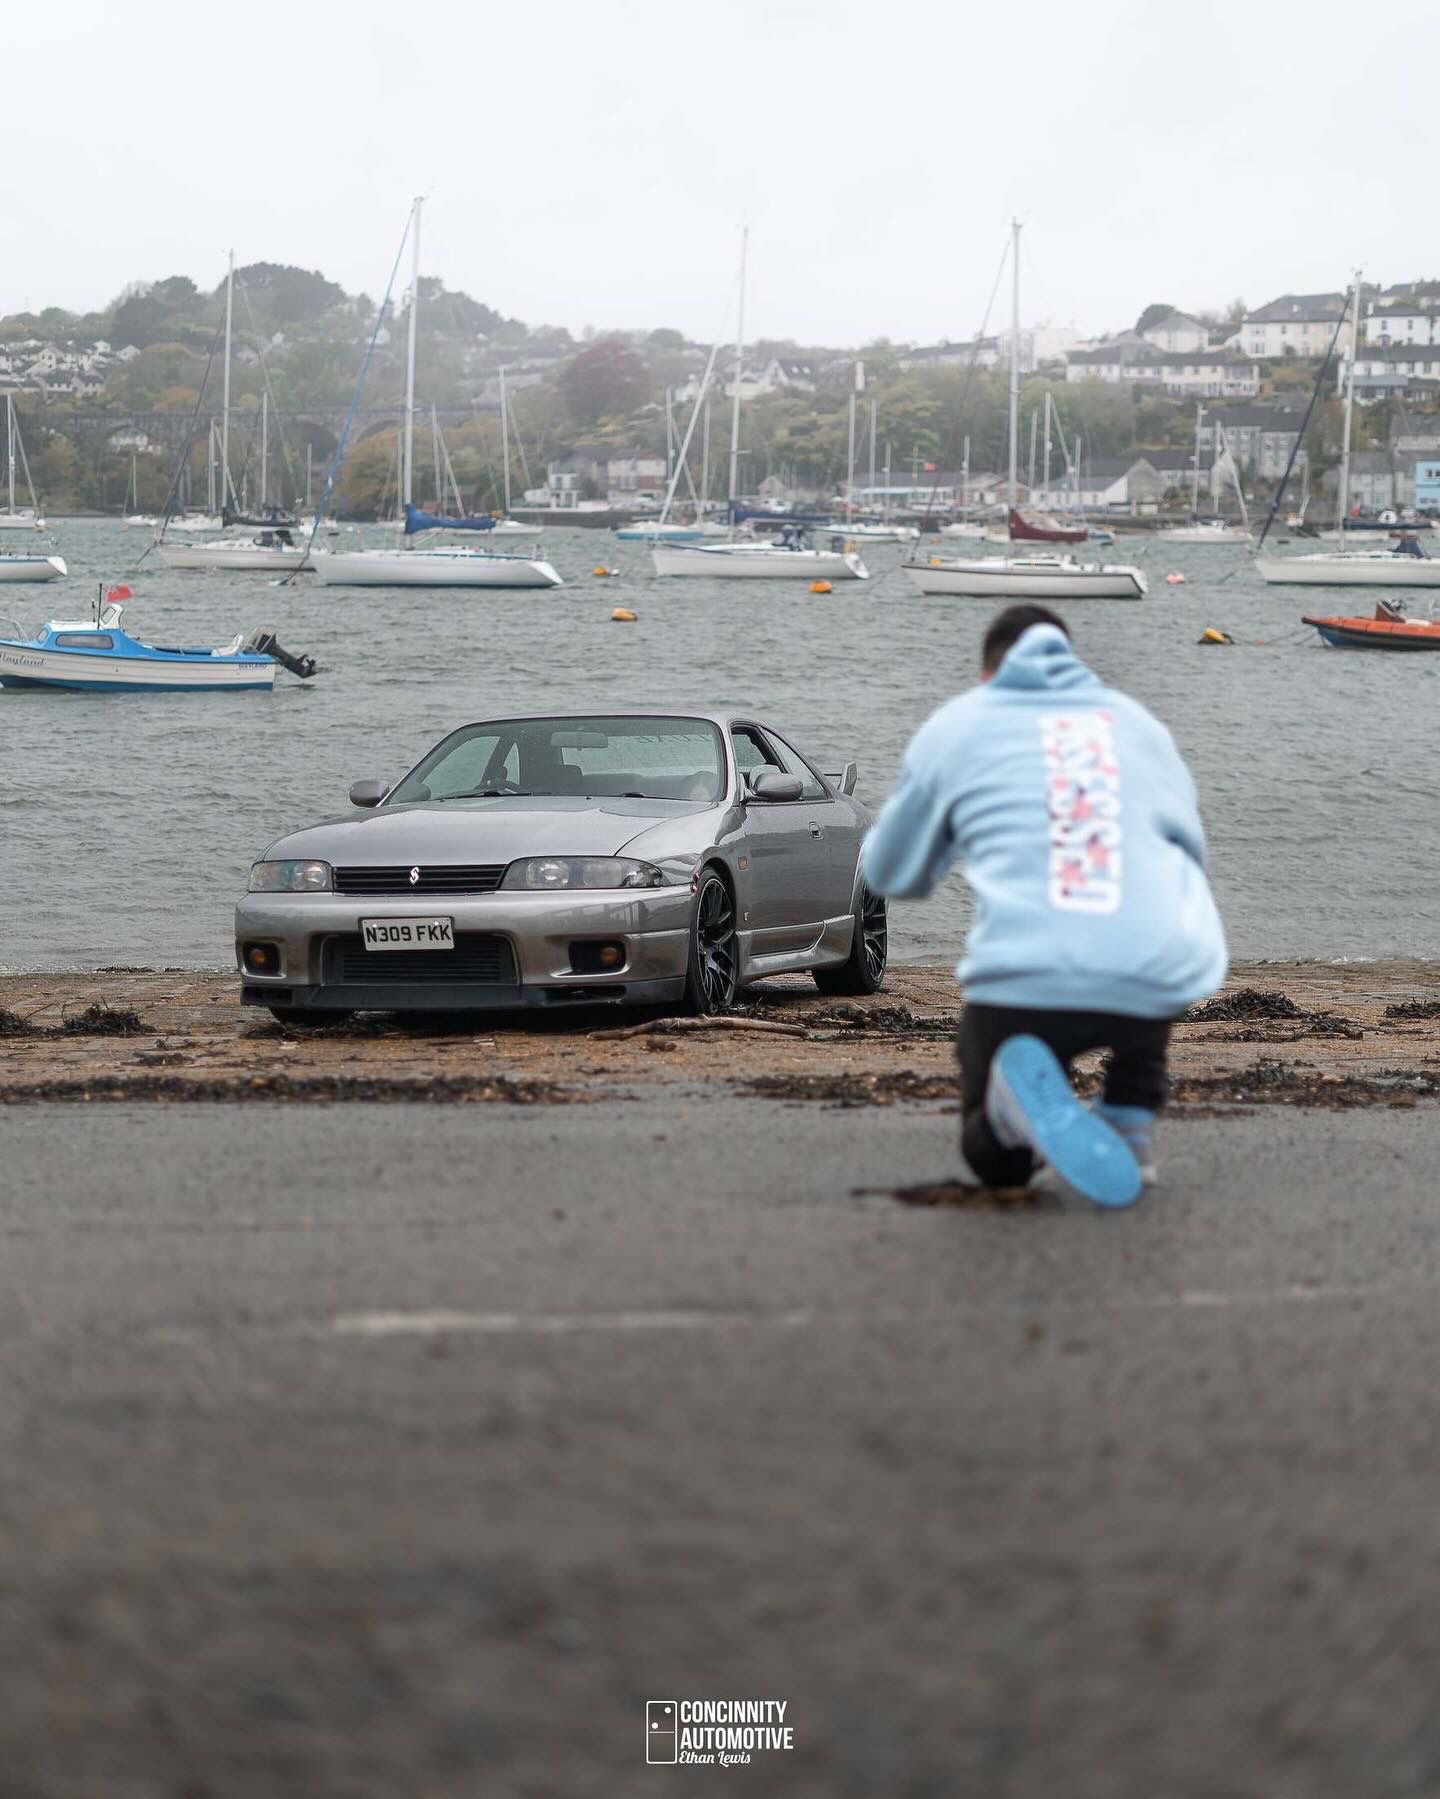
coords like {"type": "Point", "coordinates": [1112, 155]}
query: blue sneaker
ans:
{"type": "Point", "coordinates": [1136, 1124]}
{"type": "Point", "coordinates": [1030, 1104]}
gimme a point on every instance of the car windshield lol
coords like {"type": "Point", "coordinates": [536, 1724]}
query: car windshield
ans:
{"type": "Point", "coordinates": [596, 758]}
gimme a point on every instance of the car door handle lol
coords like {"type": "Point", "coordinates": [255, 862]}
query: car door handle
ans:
{"type": "Point", "coordinates": [816, 830]}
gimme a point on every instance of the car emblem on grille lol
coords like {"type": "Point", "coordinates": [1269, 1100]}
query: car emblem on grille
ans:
{"type": "Point", "coordinates": [414, 876]}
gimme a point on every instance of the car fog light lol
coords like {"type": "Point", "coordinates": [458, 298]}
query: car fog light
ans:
{"type": "Point", "coordinates": [261, 958]}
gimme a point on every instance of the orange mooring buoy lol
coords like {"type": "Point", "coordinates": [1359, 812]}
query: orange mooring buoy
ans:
{"type": "Point", "coordinates": [623, 615]}
{"type": "Point", "coordinates": [821, 587]}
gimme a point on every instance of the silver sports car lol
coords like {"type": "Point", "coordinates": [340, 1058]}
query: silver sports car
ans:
{"type": "Point", "coordinates": [640, 858]}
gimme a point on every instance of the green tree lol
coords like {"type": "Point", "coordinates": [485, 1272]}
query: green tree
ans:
{"type": "Point", "coordinates": [606, 379]}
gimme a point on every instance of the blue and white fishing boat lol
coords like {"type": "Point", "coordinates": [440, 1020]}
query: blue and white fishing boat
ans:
{"type": "Point", "coordinates": [96, 656]}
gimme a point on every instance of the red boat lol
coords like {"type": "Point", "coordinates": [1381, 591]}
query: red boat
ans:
{"type": "Point", "coordinates": [1043, 530]}
{"type": "Point", "coordinates": [1388, 630]}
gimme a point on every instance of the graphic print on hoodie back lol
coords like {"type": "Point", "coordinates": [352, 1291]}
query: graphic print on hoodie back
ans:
{"type": "Point", "coordinates": [1082, 796]}
{"type": "Point", "coordinates": [1075, 823]}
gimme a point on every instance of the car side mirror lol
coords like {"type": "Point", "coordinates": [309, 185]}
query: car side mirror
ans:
{"type": "Point", "coordinates": [846, 779]}
{"type": "Point", "coordinates": [776, 788]}
{"type": "Point", "coordinates": [368, 793]}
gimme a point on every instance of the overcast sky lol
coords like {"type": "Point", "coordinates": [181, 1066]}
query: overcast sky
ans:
{"type": "Point", "coordinates": [591, 164]}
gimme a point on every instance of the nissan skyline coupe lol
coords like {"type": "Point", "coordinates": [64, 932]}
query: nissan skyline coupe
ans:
{"type": "Point", "coordinates": [638, 858]}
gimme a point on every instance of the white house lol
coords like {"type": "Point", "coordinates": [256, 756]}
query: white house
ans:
{"type": "Point", "coordinates": [1294, 325]}
{"type": "Point", "coordinates": [1408, 314]}
{"type": "Point", "coordinates": [775, 377]}
{"type": "Point", "coordinates": [1214, 374]}
{"type": "Point", "coordinates": [980, 353]}
{"type": "Point", "coordinates": [1397, 371]}
{"type": "Point", "coordinates": [1178, 332]}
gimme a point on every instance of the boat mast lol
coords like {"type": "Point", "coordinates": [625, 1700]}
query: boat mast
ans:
{"type": "Point", "coordinates": [505, 441]}
{"type": "Point", "coordinates": [225, 399]}
{"type": "Point", "coordinates": [10, 446]}
{"type": "Point", "coordinates": [264, 448]}
{"type": "Point", "coordinates": [705, 463]}
{"type": "Point", "coordinates": [1012, 489]}
{"type": "Point", "coordinates": [872, 455]}
{"type": "Point", "coordinates": [850, 464]}
{"type": "Point", "coordinates": [407, 473]}
{"type": "Point", "coordinates": [739, 371]}
{"type": "Point", "coordinates": [1343, 495]}
{"type": "Point", "coordinates": [1047, 445]}
{"type": "Point", "coordinates": [1195, 472]}
{"type": "Point", "coordinates": [435, 450]}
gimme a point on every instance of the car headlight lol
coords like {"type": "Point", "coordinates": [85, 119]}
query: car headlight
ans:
{"type": "Point", "coordinates": [291, 877]}
{"type": "Point", "coordinates": [560, 874]}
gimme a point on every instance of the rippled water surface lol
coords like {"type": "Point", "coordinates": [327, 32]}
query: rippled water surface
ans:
{"type": "Point", "coordinates": [127, 822]}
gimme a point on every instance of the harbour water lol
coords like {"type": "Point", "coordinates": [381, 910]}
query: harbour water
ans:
{"type": "Point", "coordinates": [127, 823]}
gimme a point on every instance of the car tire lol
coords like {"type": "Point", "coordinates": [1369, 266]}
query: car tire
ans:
{"type": "Point", "coordinates": [712, 970]}
{"type": "Point", "coordinates": [305, 1019]}
{"type": "Point", "coordinates": [863, 970]}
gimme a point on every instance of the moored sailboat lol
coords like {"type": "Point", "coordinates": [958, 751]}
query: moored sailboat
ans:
{"type": "Point", "coordinates": [1034, 577]}
{"type": "Point", "coordinates": [791, 556]}
{"type": "Point", "coordinates": [409, 566]}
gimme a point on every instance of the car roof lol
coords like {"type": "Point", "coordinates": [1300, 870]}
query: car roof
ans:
{"type": "Point", "coordinates": [721, 715]}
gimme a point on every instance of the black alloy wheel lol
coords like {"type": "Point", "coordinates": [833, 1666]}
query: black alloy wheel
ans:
{"type": "Point", "coordinates": [863, 970]}
{"type": "Point", "coordinates": [711, 977]}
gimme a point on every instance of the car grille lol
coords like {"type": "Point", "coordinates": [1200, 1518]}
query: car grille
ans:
{"type": "Point", "coordinates": [444, 877]}
{"type": "Point", "coordinates": [485, 960]}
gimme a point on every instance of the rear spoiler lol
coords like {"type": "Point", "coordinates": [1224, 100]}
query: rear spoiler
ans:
{"type": "Point", "coordinates": [846, 778]}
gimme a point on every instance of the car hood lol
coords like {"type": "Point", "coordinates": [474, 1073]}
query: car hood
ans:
{"type": "Point", "coordinates": [486, 831]}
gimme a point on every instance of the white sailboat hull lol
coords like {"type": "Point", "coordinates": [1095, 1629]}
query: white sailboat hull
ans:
{"type": "Point", "coordinates": [1377, 568]}
{"type": "Point", "coordinates": [757, 562]}
{"type": "Point", "coordinates": [883, 533]}
{"type": "Point", "coordinates": [21, 521]}
{"type": "Point", "coordinates": [31, 568]}
{"type": "Point", "coordinates": [430, 568]}
{"type": "Point", "coordinates": [1197, 534]}
{"type": "Point", "coordinates": [1029, 578]}
{"type": "Point", "coordinates": [232, 556]}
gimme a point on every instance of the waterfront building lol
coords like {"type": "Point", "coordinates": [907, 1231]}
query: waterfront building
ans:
{"type": "Point", "coordinates": [1426, 496]}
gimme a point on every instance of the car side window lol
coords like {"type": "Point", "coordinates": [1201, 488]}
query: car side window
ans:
{"type": "Point", "coordinates": [795, 764]}
{"type": "Point", "coordinates": [752, 753]}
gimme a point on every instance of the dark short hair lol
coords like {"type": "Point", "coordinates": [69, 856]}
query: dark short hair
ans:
{"type": "Point", "coordinates": [1009, 626]}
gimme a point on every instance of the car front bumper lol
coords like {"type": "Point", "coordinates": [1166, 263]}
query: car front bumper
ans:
{"type": "Point", "coordinates": [512, 950]}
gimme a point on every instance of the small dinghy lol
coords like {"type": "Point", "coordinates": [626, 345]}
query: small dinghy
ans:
{"type": "Point", "coordinates": [96, 656]}
{"type": "Point", "coordinates": [1389, 629]}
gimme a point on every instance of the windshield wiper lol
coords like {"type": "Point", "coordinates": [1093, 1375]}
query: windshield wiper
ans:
{"type": "Point", "coordinates": [490, 793]}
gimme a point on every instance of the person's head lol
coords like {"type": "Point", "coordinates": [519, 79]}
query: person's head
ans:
{"type": "Point", "coordinates": [1006, 630]}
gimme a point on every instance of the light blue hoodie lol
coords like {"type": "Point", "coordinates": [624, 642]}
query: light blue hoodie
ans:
{"type": "Point", "coordinates": [1075, 822]}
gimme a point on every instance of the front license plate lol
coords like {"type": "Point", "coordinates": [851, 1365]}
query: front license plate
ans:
{"type": "Point", "coordinates": [408, 933]}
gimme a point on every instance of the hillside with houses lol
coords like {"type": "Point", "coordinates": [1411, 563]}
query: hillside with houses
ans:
{"type": "Point", "coordinates": [113, 403]}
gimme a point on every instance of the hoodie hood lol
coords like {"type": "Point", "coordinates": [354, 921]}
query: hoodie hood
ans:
{"type": "Point", "coordinates": [1042, 661]}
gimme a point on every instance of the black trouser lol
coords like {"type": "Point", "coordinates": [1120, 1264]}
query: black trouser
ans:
{"type": "Point", "coordinates": [1134, 1076]}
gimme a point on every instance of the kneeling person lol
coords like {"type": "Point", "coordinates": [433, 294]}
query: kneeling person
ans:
{"type": "Point", "coordinates": [1075, 822]}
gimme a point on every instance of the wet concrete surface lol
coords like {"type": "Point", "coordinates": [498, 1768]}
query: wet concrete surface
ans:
{"type": "Point", "coordinates": [387, 1450]}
